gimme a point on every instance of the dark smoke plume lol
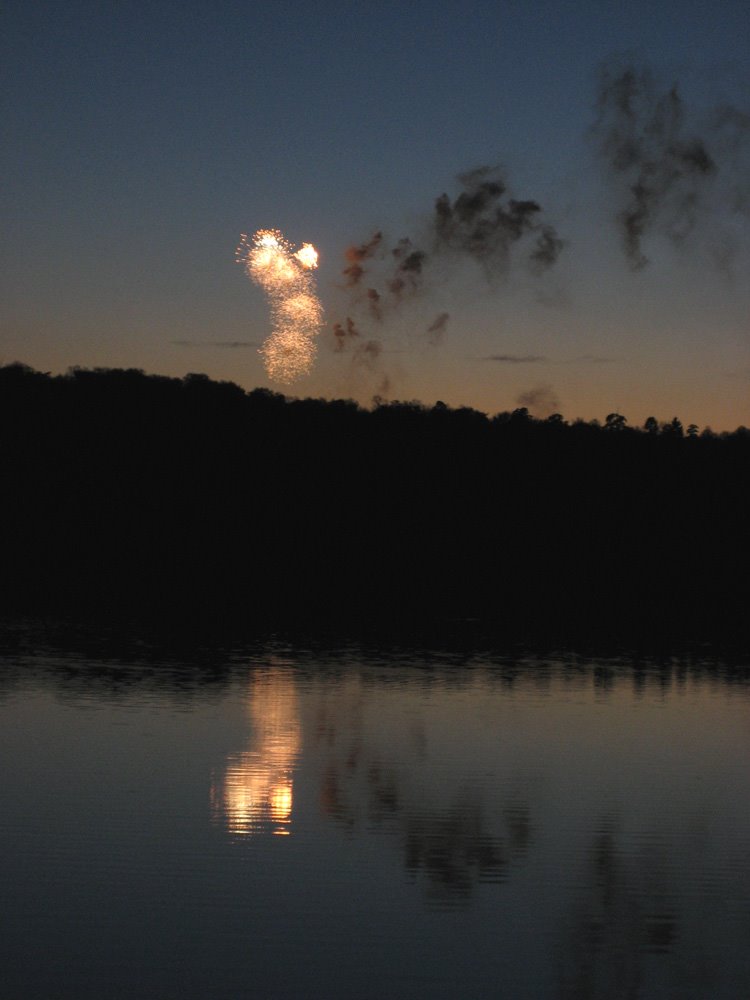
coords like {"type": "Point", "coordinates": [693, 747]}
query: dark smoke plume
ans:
{"type": "Point", "coordinates": [540, 401]}
{"type": "Point", "coordinates": [369, 352]}
{"type": "Point", "coordinates": [373, 304]}
{"type": "Point", "coordinates": [642, 138]}
{"type": "Point", "coordinates": [409, 264]}
{"type": "Point", "coordinates": [355, 255]}
{"type": "Point", "coordinates": [482, 223]}
{"type": "Point", "coordinates": [547, 249]}
{"type": "Point", "coordinates": [343, 333]}
{"type": "Point", "coordinates": [437, 327]}
{"type": "Point", "coordinates": [365, 356]}
{"type": "Point", "coordinates": [732, 131]}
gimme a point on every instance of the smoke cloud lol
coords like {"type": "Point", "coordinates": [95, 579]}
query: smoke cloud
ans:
{"type": "Point", "coordinates": [540, 401]}
{"type": "Point", "coordinates": [343, 333]}
{"type": "Point", "coordinates": [667, 170]}
{"type": "Point", "coordinates": [675, 175]}
{"type": "Point", "coordinates": [368, 357]}
{"type": "Point", "coordinates": [409, 264]}
{"type": "Point", "coordinates": [437, 327]}
{"type": "Point", "coordinates": [486, 224]}
{"type": "Point", "coordinates": [483, 223]}
{"type": "Point", "coordinates": [365, 355]}
{"type": "Point", "coordinates": [547, 249]}
{"type": "Point", "coordinates": [373, 304]}
{"type": "Point", "coordinates": [355, 257]}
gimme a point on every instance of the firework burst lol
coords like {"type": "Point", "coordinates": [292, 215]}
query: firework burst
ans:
{"type": "Point", "coordinates": [285, 275]}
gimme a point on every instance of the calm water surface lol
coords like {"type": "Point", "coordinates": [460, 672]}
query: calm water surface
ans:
{"type": "Point", "coordinates": [275, 824]}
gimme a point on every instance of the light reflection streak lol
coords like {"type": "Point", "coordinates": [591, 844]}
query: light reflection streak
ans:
{"type": "Point", "coordinates": [256, 794]}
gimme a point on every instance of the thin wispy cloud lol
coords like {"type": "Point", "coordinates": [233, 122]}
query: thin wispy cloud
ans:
{"type": "Point", "coordinates": [532, 359]}
{"type": "Point", "coordinates": [231, 344]}
{"type": "Point", "coordinates": [516, 359]}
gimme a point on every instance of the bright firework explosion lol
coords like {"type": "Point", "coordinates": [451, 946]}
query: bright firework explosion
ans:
{"type": "Point", "coordinates": [296, 313]}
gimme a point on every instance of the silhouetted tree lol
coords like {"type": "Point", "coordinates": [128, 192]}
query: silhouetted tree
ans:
{"type": "Point", "coordinates": [131, 493]}
{"type": "Point", "coordinates": [674, 428]}
{"type": "Point", "coordinates": [615, 422]}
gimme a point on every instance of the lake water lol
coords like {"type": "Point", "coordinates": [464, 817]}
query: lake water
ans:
{"type": "Point", "coordinates": [275, 823]}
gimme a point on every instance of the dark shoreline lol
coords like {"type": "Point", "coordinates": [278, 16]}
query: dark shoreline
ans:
{"type": "Point", "coordinates": [190, 504]}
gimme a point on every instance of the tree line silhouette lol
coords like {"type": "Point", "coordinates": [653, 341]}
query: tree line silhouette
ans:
{"type": "Point", "coordinates": [136, 494]}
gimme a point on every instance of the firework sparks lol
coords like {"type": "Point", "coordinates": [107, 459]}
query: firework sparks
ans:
{"type": "Point", "coordinates": [307, 255]}
{"type": "Point", "coordinates": [296, 313]}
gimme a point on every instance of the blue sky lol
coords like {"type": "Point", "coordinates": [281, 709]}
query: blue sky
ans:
{"type": "Point", "coordinates": [140, 140]}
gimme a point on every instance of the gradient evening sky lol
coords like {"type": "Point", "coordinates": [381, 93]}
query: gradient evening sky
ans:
{"type": "Point", "coordinates": [141, 138]}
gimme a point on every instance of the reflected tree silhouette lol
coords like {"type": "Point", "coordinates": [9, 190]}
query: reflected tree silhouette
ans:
{"type": "Point", "coordinates": [445, 836]}
{"type": "Point", "coordinates": [626, 930]}
{"type": "Point", "coordinates": [455, 851]}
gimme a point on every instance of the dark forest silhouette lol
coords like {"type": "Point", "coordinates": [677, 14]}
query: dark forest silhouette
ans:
{"type": "Point", "coordinates": [128, 493]}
